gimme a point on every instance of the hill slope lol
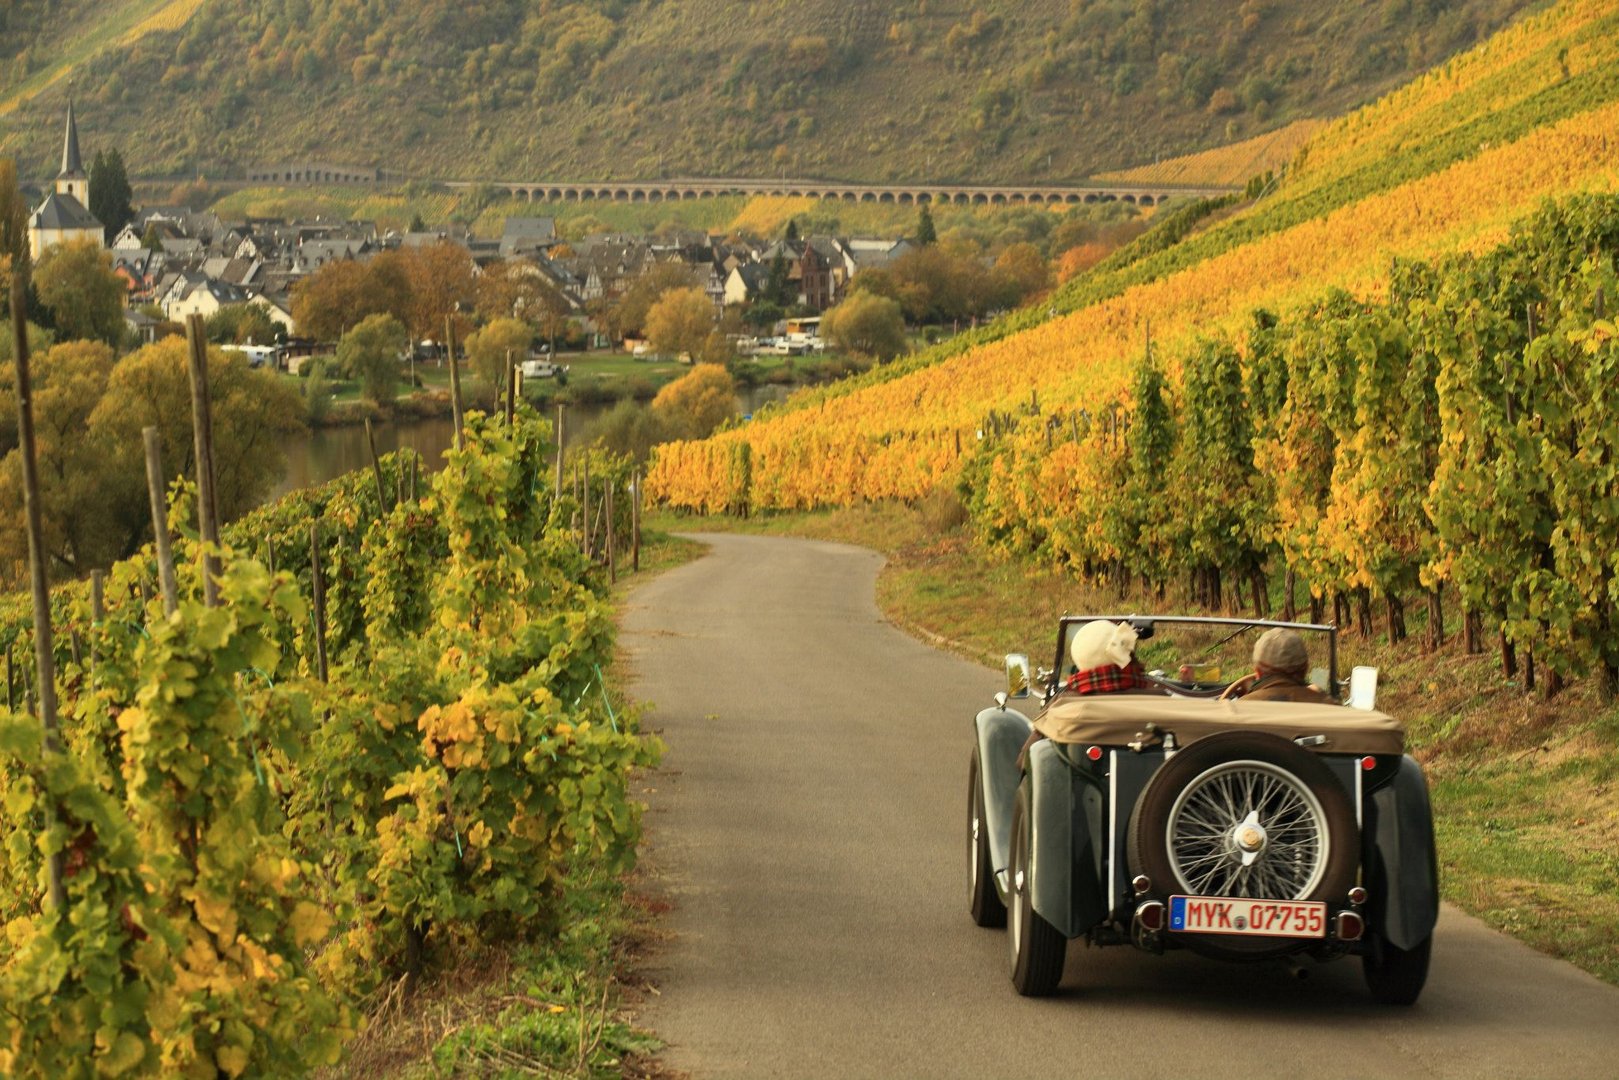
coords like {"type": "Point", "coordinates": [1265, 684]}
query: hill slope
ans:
{"type": "Point", "coordinates": [933, 89]}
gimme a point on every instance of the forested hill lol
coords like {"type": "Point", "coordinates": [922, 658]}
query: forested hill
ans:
{"type": "Point", "coordinates": [925, 89]}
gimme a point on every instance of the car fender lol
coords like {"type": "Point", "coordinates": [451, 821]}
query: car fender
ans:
{"type": "Point", "coordinates": [1001, 734]}
{"type": "Point", "coordinates": [1402, 866]}
{"type": "Point", "coordinates": [1064, 887]}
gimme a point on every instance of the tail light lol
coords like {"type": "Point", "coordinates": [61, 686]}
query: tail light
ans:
{"type": "Point", "coordinates": [1150, 915]}
{"type": "Point", "coordinates": [1349, 926]}
{"type": "Point", "coordinates": [1357, 896]}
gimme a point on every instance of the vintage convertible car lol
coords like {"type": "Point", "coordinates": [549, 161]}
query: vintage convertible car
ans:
{"type": "Point", "coordinates": [1243, 830]}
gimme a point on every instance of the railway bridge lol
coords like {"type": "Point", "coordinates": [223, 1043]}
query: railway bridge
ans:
{"type": "Point", "coordinates": [645, 191]}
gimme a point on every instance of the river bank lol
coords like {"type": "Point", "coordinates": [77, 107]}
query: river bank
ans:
{"type": "Point", "coordinates": [330, 450]}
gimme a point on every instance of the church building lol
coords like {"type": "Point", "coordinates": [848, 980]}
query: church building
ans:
{"type": "Point", "coordinates": [63, 217]}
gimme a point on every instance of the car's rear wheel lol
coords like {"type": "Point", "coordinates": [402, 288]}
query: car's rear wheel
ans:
{"type": "Point", "coordinates": [983, 901]}
{"type": "Point", "coordinates": [1038, 950]}
{"type": "Point", "coordinates": [1245, 814]}
{"type": "Point", "coordinates": [1396, 976]}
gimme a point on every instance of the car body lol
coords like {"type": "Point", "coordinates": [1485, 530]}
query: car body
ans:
{"type": "Point", "coordinates": [535, 368]}
{"type": "Point", "coordinates": [1173, 818]}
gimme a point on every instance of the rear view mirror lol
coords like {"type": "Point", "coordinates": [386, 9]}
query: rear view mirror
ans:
{"type": "Point", "coordinates": [1363, 688]}
{"type": "Point", "coordinates": [1017, 675]}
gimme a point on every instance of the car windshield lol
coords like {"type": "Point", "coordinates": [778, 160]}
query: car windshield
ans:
{"type": "Point", "coordinates": [1203, 653]}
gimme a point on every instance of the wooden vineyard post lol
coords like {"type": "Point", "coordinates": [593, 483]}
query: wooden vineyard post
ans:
{"type": "Point", "coordinates": [319, 591]}
{"type": "Point", "coordinates": [160, 519]}
{"type": "Point", "coordinates": [376, 468]}
{"type": "Point", "coordinates": [586, 507]}
{"type": "Point", "coordinates": [98, 611]}
{"type": "Point", "coordinates": [559, 451]}
{"type": "Point", "coordinates": [11, 687]}
{"type": "Point", "coordinates": [455, 378]}
{"type": "Point", "coordinates": [612, 565]}
{"type": "Point", "coordinates": [44, 654]}
{"type": "Point", "coordinates": [511, 390]}
{"type": "Point", "coordinates": [635, 524]}
{"type": "Point", "coordinates": [203, 437]}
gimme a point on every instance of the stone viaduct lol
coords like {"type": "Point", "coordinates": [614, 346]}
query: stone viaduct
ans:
{"type": "Point", "coordinates": [897, 194]}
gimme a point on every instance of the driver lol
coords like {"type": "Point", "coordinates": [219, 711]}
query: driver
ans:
{"type": "Point", "coordinates": [1281, 671]}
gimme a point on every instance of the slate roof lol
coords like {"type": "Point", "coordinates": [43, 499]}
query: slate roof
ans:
{"type": "Point", "coordinates": [527, 234]}
{"type": "Point", "coordinates": [72, 163]}
{"type": "Point", "coordinates": [62, 212]}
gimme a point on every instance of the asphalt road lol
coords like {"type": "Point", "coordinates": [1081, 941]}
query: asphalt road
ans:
{"type": "Point", "coordinates": [807, 826]}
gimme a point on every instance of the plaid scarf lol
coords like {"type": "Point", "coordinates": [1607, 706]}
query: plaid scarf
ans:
{"type": "Point", "coordinates": [1107, 679]}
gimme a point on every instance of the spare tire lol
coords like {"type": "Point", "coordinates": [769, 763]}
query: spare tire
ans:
{"type": "Point", "coordinates": [1245, 814]}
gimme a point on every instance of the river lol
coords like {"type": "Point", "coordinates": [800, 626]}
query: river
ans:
{"type": "Point", "coordinates": [323, 454]}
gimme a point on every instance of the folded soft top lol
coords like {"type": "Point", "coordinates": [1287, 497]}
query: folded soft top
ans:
{"type": "Point", "coordinates": [1116, 719]}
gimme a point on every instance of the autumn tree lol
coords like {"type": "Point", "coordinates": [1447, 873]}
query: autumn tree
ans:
{"type": "Point", "coordinates": [242, 324]}
{"type": "Point", "coordinates": [1021, 272]}
{"type": "Point", "coordinates": [697, 403]}
{"type": "Point", "coordinates": [629, 315]}
{"type": "Point", "coordinates": [440, 280]}
{"type": "Point", "coordinates": [518, 289]}
{"type": "Point", "coordinates": [341, 295]}
{"type": "Point", "coordinates": [681, 322]}
{"type": "Point", "coordinates": [866, 325]}
{"type": "Point", "coordinates": [69, 381]}
{"type": "Point", "coordinates": [489, 350]}
{"type": "Point", "coordinates": [13, 232]}
{"type": "Point", "coordinates": [926, 233]}
{"type": "Point", "coordinates": [85, 298]}
{"type": "Point", "coordinates": [254, 413]}
{"type": "Point", "coordinates": [371, 353]}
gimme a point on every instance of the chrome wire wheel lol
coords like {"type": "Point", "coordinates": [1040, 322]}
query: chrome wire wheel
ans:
{"type": "Point", "coordinates": [1248, 828]}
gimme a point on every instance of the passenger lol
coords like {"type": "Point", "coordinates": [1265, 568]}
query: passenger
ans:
{"type": "Point", "coordinates": [1281, 671]}
{"type": "Point", "coordinates": [1104, 656]}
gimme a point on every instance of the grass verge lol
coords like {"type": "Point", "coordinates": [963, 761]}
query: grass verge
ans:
{"type": "Point", "coordinates": [1526, 791]}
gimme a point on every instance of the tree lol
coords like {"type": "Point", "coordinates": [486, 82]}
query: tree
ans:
{"type": "Point", "coordinates": [488, 349]}
{"type": "Point", "coordinates": [792, 230]}
{"type": "Point", "coordinates": [85, 298]}
{"type": "Point", "coordinates": [110, 193]}
{"type": "Point", "coordinates": [680, 322]}
{"type": "Point", "coordinates": [241, 324]}
{"type": "Point", "coordinates": [1022, 273]}
{"type": "Point", "coordinates": [69, 381]}
{"type": "Point", "coordinates": [254, 413]}
{"type": "Point", "coordinates": [441, 283]}
{"type": "Point", "coordinates": [370, 352]}
{"type": "Point", "coordinates": [151, 239]}
{"type": "Point", "coordinates": [926, 234]}
{"type": "Point", "coordinates": [697, 403]}
{"type": "Point", "coordinates": [340, 295]}
{"type": "Point", "coordinates": [516, 288]}
{"type": "Point", "coordinates": [13, 232]}
{"type": "Point", "coordinates": [629, 315]}
{"type": "Point", "coordinates": [778, 285]}
{"type": "Point", "coordinates": [866, 325]}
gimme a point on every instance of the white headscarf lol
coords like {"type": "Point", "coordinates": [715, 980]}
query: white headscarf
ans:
{"type": "Point", "coordinates": [1100, 643]}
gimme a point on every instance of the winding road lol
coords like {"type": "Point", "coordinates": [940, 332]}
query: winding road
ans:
{"type": "Point", "coordinates": [807, 827]}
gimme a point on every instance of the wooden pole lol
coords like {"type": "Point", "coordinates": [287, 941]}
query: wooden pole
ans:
{"type": "Point", "coordinates": [612, 564]}
{"type": "Point", "coordinates": [160, 519]}
{"type": "Point", "coordinates": [11, 683]}
{"type": "Point", "coordinates": [511, 390]}
{"type": "Point", "coordinates": [455, 377]}
{"type": "Point", "coordinates": [635, 524]}
{"type": "Point", "coordinates": [44, 654]}
{"type": "Point", "coordinates": [376, 468]}
{"type": "Point", "coordinates": [203, 437]}
{"type": "Point", "coordinates": [559, 450]}
{"type": "Point", "coordinates": [587, 506]}
{"type": "Point", "coordinates": [320, 601]}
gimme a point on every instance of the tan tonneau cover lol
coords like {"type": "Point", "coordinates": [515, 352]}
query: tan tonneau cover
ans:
{"type": "Point", "coordinates": [1117, 719]}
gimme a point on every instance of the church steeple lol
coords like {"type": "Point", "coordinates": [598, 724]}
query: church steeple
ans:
{"type": "Point", "coordinates": [72, 179]}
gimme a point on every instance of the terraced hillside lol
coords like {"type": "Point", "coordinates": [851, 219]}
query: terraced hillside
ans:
{"type": "Point", "coordinates": [945, 90]}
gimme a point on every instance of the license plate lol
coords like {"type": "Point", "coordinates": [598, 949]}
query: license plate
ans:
{"type": "Point", "coordinates": [1248, 918]}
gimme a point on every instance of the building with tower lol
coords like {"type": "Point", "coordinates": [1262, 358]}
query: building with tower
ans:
{"type": "Point", "coordinates": [63, 217]}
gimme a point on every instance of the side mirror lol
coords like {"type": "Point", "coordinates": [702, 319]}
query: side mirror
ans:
{"type": "Point", "coordinates": [1017, 675]}
{"type": "Point", "coordinates": [1363, 688]}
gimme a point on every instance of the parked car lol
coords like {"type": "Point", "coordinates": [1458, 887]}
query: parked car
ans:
{"type": "Point", "coordinates": [542, 369]}
{"type": "Point", "coordinates": [1241, 830]}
